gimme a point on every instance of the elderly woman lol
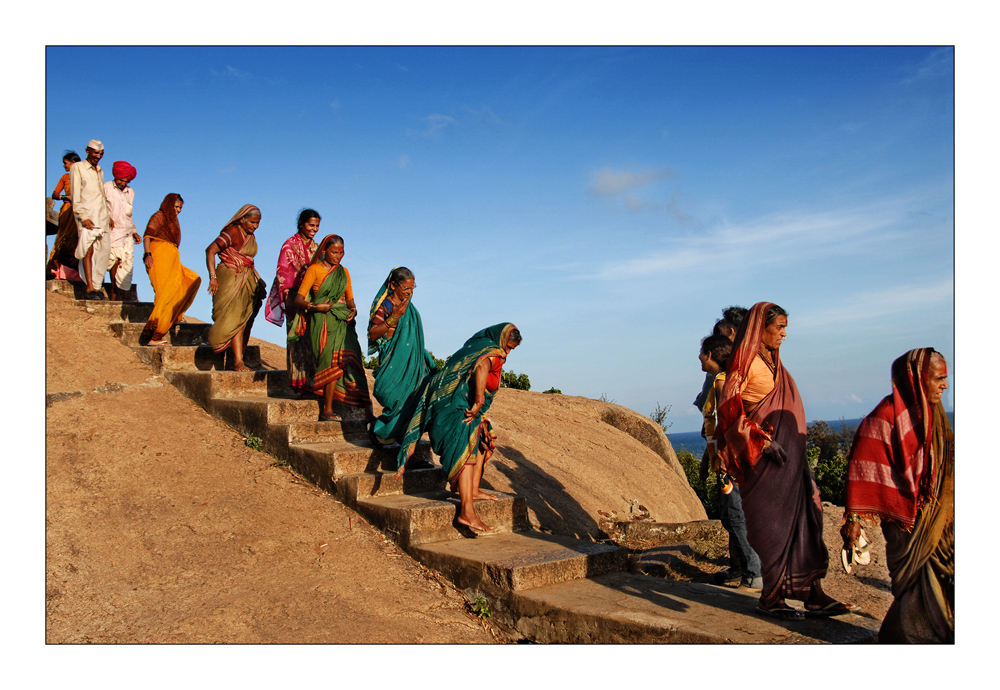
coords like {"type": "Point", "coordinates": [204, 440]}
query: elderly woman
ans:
{"type": "Point", "coordinates": [62, 261]}
{"type": "Point", "coordinates": [237, 289]}
{"type": "Point", "coordinates": [901, 472]}
{"type": "Point", "coordinates": [450, 409]}
{"type": "Point", "coordinates": [293, 260]}
{"type": "Point", "coordinates": [396, 333]}
{"type": "Point", "coordinates": [326, 312]}
{"type": "Point", "coordinates": [174, 286]}
{"type": "Point", "coordinates": [761, 437]}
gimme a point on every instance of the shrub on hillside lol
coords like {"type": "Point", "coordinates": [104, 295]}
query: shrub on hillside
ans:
{"type": "Point", "coordinates": [708, 490]}
{"type": "Point", "coordinates": [827, 450]}
{"type": "Point", "coordinates": [512, 380]}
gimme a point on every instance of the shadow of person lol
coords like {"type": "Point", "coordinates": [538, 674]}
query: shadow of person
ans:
{"type": "Point", "coordinates": [554, 509]}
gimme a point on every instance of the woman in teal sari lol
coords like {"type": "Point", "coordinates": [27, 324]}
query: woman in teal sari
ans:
{"type": "Point", "coordinates": [450, 409]}
{"type": "Point", "coordinates": [396, 333]}
{"type": "Point", "coordinates": [325, 314]}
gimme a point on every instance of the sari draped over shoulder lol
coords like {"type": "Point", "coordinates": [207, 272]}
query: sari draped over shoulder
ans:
{"type": "Point", "coordinates": [334, 343]}
{"type": "Point", "coordinates": [241, 289]}
{"type": "Point", "coordinates": [781, 501]}
{"type": "Point", "coordinates": [901, 471]}
{"type": "Point", "coordinates": [64, 244]}
{"type": "Point", "coordinates": [443, 400]}
{"type": "Point", "coordinates": [404, 364]}
{"type": "Point", "coordinates": [174, 285]}
{"type": "Point", "coordinates": [293, 260]}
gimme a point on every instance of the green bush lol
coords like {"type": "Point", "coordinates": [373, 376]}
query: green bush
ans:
{"type": "Point", "coordinates": [553, 390]}
{"type": "Point", "coordinates": [827, 451]}
{"type": "Point", "coordinates": [371, 363]}
{"type": "Point", "coordinates": [659, 415]}
{"type": "Point", "coordinates": [708, 490]}
{"type": "Point", "coordinates": [512, 380]}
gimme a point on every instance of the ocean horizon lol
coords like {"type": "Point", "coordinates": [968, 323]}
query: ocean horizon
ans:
{"type": "Point", "coordinates": [693, 442]}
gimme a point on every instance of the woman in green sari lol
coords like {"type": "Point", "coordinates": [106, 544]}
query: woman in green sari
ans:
{"type": "Point", "coordinates": [450, 409]}
{"type": "Point", "coordinates": [396, 333]}
{"type": "Point", "coordinates": [326, 311]}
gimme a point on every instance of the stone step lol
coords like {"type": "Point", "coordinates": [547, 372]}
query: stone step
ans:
{"type": "Point", "coordinates": [193, 357]}
{"type": "Point", "coordinates": [179, 334]}
{"type": "Point", "coordinates": [511, 562]}
{"type": "Point", "coordinates": [204, 386]}
{"type": "Point", "coordinates": [626, 608]}
{"type": "Point", "coordinates": [385, 483]}
{"type": "Point", "coordinates": [413, 519]}
{"type": "Point", "coordinates": [77, 290]}
{"type": "Point", "coordinates": [135, 312]}
{"type": "Point", "coordinates": [326, 464]}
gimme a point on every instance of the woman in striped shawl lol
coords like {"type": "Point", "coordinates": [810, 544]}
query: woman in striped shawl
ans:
{"type": "Point", "coordinates": [901, 472]}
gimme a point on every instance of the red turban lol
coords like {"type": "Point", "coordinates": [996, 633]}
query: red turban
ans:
{"type": "Point", "coordinates": [123, 171]}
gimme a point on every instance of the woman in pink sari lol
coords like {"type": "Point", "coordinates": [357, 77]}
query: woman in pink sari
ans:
{"type": "Point", "coordinates": [293, 260]}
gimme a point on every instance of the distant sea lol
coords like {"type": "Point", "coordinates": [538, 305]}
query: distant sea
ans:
{"type": "Point", "coordinates": [693, 442]}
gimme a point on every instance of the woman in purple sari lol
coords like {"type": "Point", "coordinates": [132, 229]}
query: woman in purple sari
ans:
{"type": "Point", "coordinates": [761, 437]}
{"type": "Point", "coordinates": [293, 260]}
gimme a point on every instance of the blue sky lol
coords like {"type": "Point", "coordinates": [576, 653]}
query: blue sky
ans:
{"type": "Point", "coordinates": [609, 201]}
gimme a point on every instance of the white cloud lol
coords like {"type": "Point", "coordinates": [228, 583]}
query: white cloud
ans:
{"type": "Point", "coordinates": [403, 162]}
{"type": "Point", "coordinates": [231, 73]}
{"type": "Point", "coordinates": [938, 63]}
{"type": "Point", "coordinates": [436, 124]}
{"type": "Point", "coordinates": [335, 106]}
{"type": "Point", "coordinates": [879, 303]}
{"type": "Point", "coordinates": [607, 182]}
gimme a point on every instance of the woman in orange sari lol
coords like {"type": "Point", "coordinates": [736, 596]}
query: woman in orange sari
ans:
{"type": "Point", "coordinates": [174, 286]}
{"type": "Point", "coordinates": [326, 311]}
{"type": "Point", "coordinates": [62, 261]}
{"type": "Point", "coordinates": [236, 288]}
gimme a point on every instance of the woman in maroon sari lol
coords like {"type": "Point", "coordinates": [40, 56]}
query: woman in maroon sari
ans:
{"type": "Point", "coordinates": [293, 260]}
{"type": "Point", "coordinates": [761, 436]}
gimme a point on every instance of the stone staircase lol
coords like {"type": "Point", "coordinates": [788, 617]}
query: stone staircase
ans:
{"type": "Point", "coordinates": [538, 586]}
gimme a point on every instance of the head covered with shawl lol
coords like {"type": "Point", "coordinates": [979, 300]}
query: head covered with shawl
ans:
{"type": "Point", "coordinates": [164, 224]}
{"type": "Point", "coordinates": [741, 440]}
{"type": "Point", "coordinates": [246, 211]}
{"type": "Point", "coordinates": [891, 473]}
{"type": "Point", "coordinates": [320, 253]}
{"type": "Point", "coordinates": [441, 409]}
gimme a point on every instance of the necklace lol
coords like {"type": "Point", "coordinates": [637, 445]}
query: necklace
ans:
{"type": "Point", "coordinates": [765, 355]}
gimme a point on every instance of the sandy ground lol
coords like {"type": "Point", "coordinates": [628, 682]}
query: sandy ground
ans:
{"type": "Point", "coordinates": [162, 527]}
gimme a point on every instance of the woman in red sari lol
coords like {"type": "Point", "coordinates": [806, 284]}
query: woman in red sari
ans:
{"type": "Point", "coordinates": [293, 260]}
{"type": "Point", "coordinates": [235, 286]}
{"type": "Point", "coordinates": [761, 437]}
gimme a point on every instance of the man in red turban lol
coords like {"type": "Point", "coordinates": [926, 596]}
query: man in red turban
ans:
{"type": "Point", "coordinates": [123, 233]}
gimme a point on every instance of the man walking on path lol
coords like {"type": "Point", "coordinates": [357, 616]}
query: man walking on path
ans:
{"type": "Point", "coordinates": [90, 206]}
{"type": "Point", "coordinates": [123, 235]}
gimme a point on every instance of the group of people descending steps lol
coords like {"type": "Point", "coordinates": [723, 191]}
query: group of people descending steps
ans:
{"type": "Point", "coordinates": [900, 472]}
{"type": "Point", "coordinates": [313, 296]}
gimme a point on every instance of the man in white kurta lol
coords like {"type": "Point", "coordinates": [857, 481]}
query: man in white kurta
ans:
{"type": "Point", "coordinates": [123, 235]}
{"type": "Point", "coordinates": [93, 221]}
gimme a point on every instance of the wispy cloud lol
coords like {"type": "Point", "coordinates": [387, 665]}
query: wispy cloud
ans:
{"type": "Point", "coordinates": [403, 162]}
{"type": "Point", "coordinates": [768, 240]}
{"type": "Point", "coordinates": [938, 63]}
{"type": "Point", "coordinates": [608, 182]}
{"type": "Point", "coordinates": [484, 114]}
{"type": "Point", "coordinates": [879, 303]}
{"type": "Point", "coordinates": [335, 106]}
{"type": "Point", "coordinates": [231, 73]}
{"type": "Point", "coordinates": [436, 123]}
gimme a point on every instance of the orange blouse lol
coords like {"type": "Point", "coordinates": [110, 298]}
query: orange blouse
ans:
{"type": "Point", "coordinates": [314, 277]}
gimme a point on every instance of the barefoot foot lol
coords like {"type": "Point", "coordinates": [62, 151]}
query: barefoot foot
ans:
{"type": "Point", "coordinates": [475, 524]}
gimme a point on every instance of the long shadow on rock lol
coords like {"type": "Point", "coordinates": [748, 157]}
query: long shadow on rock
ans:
{"type": "Point", "coordinates": [554, 508]}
